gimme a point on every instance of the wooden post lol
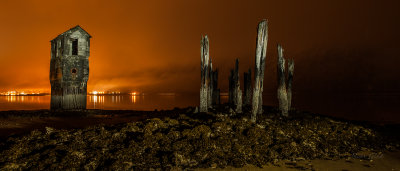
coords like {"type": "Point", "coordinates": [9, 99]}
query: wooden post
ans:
{"type": "Point", "coordinates": [237, 92]}
{"type": "Point", "coordinates": [290, 80]}
{"type": "Point", "coordinates": [282, 91]}
{"type": "Point", "coordinates": [260, 99]}
{"type": "Point", "coordinates": [217, 97]}
{"type": "Point", "coordinates": [204, 51]}
{"type": "Point", "coordinates": [261, 52]}
{"type": "Point", "coordinates": [231, 87]}
{"type": "Point", "coordinates": [215, 94]}
{"type": "Point", "coordinates": [247, 88]}
{"type": "Point", "coordinates": [210, 86]}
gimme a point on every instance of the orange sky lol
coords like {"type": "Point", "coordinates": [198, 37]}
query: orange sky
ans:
{"type": "Point", "coordinates": [154, 46]}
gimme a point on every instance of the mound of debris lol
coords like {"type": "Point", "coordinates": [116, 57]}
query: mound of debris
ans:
{"type": "Point", "coordinates": [194, 140]}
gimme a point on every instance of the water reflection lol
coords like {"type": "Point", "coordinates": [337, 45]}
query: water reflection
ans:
{"type": "Point", "coordinates": [24, 102]}
{"type": "Point", "coordinates": [23, 99]}
{"type": "Point", "coordinates": [133, 99]}
{"type": "Point", "coordinates": [361, 107]}
{"type": "Point", "coordinates": [111, 102]}
{"type": "Point", "coordinates": [139, 102]}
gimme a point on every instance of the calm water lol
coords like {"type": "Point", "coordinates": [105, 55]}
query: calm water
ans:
{"type": "Point", "coordinates": [369, 107]}
{"type": "Point", "coordinates": [110, 102]}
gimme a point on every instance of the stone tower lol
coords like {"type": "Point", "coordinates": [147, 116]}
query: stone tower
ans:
{"type": "Point", "coordinates": [69, 69]}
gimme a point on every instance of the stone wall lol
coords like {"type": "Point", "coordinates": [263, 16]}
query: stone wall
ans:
{"type": "Point", "coordinates": [69, 73]}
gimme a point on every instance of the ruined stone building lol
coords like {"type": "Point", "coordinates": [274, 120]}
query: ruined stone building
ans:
{"type": "Point", "coordinates": [69, 69]}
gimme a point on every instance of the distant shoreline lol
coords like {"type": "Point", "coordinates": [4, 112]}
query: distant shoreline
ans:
{"type": "Point", "coordinates": [41, 94]}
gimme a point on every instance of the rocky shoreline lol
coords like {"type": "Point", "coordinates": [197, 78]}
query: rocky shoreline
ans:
{"type": "Point", "coordinates": [182, 138]}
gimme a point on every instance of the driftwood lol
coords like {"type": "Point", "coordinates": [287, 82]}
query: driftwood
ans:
{"type": "Point", "coordinates": [261, 51]}
{"type": "Point", "coordinates": [247, 88]}
{"type": "Point", "coordinates": [204, 51]}
{"type": "Point", "coordinates": [284, 91]}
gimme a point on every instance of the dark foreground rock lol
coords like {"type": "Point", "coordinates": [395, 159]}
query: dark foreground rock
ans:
{"type": "Point", "coordinates": [195, 140]}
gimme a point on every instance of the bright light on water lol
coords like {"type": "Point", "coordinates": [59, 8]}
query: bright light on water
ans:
{"type": "Point", "coordinates": [371, 107]}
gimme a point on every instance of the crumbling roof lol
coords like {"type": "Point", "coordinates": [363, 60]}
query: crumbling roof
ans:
{"type": "Point", "coordinates": [77, 27]}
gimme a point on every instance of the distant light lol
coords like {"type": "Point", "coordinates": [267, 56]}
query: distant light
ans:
{"type": "Point", "coordinates": [12, 93]}
{"type": "Point", "coordinates": [94, 92]}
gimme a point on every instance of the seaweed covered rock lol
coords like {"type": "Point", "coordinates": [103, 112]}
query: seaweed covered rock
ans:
{"type": "Point", "coordinates": [193, 141]}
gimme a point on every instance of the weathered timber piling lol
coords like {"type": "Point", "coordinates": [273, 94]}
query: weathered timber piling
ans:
{"type": "Point", "coordinates": [261, 51]}
{"type": "Point", "coordinates": [237, 92]}
{"type": "Point", "coordinates": [231, 87]}
{"type": "Point", "coordinates": [217, 97]}
{"type": "Point", "coordinates": [284, 91]}
{"type": "Point", "coordinates": [216, 91]}
{"type": "Point", "coordinates": [290, 80]}
{"type": "Point", "coordinates": [210, 86]}
{"type": "Point", "coordinates": [282, 94]}
{"type": "Point", "coordinates": [204, 52]}
{"type": "Point", "coordinates": [247, 88]}
{"type": "Point", "coordinates": [69, 69]}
